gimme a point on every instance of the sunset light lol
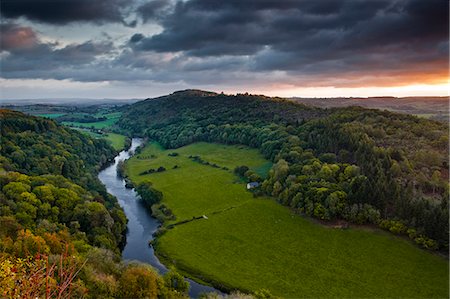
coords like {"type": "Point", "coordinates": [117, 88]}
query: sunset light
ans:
{"type": "Point", "coordinates": [224, 149]}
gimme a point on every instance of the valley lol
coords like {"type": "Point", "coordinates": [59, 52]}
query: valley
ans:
{"type": "Point", "coordinates": [205, 149]}
{"type": "Point", "coordinates": [349, 202]}
{"type": "Point", "coordinates": [252, 243]}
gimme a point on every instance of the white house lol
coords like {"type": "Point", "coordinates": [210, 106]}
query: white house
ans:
{"type": "Point", "coordinates": [252, 185]}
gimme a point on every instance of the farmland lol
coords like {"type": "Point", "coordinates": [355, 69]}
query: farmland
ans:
{"type": "Point", "coordinates": [110, 119]}
{"type": "Point", "coordinates": [206, 189]}
{"type": "Point", "coordinates": [247, 243]}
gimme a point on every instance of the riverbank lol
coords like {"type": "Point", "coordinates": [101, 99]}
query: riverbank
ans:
{"type": "Point", "coordinates": [141, 225]}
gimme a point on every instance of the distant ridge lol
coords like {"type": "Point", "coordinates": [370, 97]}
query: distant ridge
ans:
{"type": "Point", "coordinates": [195, 92]}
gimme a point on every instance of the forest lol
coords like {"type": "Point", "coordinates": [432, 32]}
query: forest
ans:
{"type": "Point", "coordinates": [360, 165]}
{"type": "Point", "coordinates": [61, 233]}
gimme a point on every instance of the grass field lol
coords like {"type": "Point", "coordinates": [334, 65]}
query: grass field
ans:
{"type": "Point", "coordinates": [117, 140]}
{"type": "Point", "coordinates": [194, 189]}
{"type": "Point", "coordinates": [112, 118]}
{"type": "Point", "coordinates": [261, 244]}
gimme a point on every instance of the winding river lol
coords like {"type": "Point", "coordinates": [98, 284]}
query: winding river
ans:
{"type": "Point", "coordinates": [141, 225]}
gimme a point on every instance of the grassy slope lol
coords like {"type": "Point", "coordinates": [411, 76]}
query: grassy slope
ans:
{"type": "Point", "coordinates": [204, 188]}
{"type": "Point", "coordinates": [117, 140]}
{"type": "Point", "coordinates": [260, 244]}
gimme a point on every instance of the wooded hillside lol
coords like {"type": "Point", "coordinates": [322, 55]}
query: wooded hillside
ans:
{"type": "Point", "coordinates": [60, 231]}
{"type": "Point", "coordinates": [361, 165]}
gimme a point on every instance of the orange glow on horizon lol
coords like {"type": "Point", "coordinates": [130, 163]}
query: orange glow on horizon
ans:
{"type": "Point", "coordinates": [332, 91]}
{"type": "Point", "coordinates": [408, 85]}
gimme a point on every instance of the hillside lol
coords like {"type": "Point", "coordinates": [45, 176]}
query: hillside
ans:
{"type": "Point", "coordinates": [356, 164]}
{"type": "Point", "coordinates": [37, 146]}
{"type": "Point", "coordinates": [61, 233]}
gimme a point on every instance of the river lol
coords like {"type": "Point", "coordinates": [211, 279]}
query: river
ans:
{"type": "Point", "coordinates": [141, 225]}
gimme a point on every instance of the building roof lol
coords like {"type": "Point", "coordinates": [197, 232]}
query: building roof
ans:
{"type": "Point", "coordinates": [253, 184]}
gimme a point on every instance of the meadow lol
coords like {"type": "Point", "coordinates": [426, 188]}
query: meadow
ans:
{"type": "Point", "coordinates": [111, 118]}
{"type": "Point", "coordinates": [116, 140]}
{"type": "Point", "coordinates": [253, 243]}
{"type": "Point", "coordinates": [193, 189]}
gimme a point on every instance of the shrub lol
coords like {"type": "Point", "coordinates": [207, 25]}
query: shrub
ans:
{"type": "Point", "coordinates": [320, 212]}
{"type": "Point", "coordinates": [149, 194]}
{"type": "Point", "coordinates": [241, 170]}
{"type": "Point", "coordinates": [426, 243]}
{"type": "Point", "coordinates": [175, 281]}
{"type": "Point", "coordinates": [138, 281]}
{"type": "Point", "coordinates": [393, 226]}
{"type": "Point", "coordinates": [412, 233]}
{"type": "Point", "coordinates": [121, 169]}
{"type": "Point", "coordinates": [252, 176]}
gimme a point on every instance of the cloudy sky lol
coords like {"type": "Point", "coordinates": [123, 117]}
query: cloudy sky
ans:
{"type": "Point", "coordinates": [139, 49]}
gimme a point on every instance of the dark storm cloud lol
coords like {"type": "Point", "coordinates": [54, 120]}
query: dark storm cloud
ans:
{"type": "Point", "coordinates": [65, 11]}
{"type": "Point", "coordinates": [234, 41]}
{"type": "Point", "coordinates": [213, 27]}
{"type": "Point", "coordinates": [289, 35]}
{"type": "Point", "coordinates": [136, 38]}
{"type": "Point", "coordinates": [25, 52]}
{"type": "Point", "coordinates": [154, 9]}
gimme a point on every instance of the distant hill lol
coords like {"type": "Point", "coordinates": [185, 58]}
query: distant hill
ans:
{"type": "Point", "coordinates": [436, 108]}
{"type": "Point", "coordinates": [65, 102]}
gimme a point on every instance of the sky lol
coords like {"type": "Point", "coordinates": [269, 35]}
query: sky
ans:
{"type": "Point", "coordinates": [141, 49]}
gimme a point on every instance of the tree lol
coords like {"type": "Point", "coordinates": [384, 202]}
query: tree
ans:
{"type": "Point", "coordinates": [149, 194]}
{"type": "Point", "coordinates": [175, 281]}
{"type": "Point", "coordinates": [281, 170]}
{"type": "Point", "coordinates": [277, 188]}
{"type": "Point", "coordinates": [138, 281]}
{"type": "Point", "coordinates": [241, 170]}
{"type": "Point", "coordinates": [337, 202]}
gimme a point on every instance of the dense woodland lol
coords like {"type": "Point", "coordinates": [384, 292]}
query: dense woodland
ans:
{"type": "Point", "coordinates": [37, 146]}
{"type": "Point", "coordinates": [360, 165]}
{"type": "Point", "coordinates": [60, 231]}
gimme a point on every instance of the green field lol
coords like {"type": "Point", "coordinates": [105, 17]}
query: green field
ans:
{"type": "Point", "coordinates": [250, 243]}
{"type": "Point", "coordinates": [50, 115]}
{"type": "Point", "coordinates": [204, 189]}
{"type": "Point", "coordinates": [112, 118]}
{"type": "Point", "coordinates": [116, 140]}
